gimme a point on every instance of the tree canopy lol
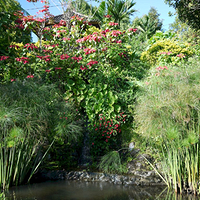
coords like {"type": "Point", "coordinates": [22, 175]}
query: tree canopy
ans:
{"type": "Point", "coordinates": [188, 11]}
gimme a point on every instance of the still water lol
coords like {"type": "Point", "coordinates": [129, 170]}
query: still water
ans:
{"type": "Point", "coordinates": [77, 190]}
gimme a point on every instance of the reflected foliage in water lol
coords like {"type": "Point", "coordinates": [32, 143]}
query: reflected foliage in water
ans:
{"type": "Point", "coordinates": [77, 190]}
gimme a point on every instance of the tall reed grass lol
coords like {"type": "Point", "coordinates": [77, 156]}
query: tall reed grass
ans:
{"type": "Point", "coordinates": [168, 114]}
{"type": "Point", "coordinates": [30, 117]}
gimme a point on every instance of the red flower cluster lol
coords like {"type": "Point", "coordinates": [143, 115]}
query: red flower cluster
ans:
{"type": "Point", "coordinates": [83, 68]}
{"type": "Point", "coordinates": [30, 46]}
{"type": "Point", "coordinates": [58, 68]}
{"type": "Point", "coordinates": [89, 51]}
{"type": "Point", "coordinates": [64, 56]}
{"type": "Point", "coordinates": [132, 30]}
{"type": "Point", "coordinates": [107, 128]}
{"type": "Point", "coordinates": [92, 63]}
{"type": "Point", "coordinates": [29, 18]}
{"type": "Point", "coordinates": [46, 58]}
{"type": "Point", "coordinates": [77, 18]}
{"type": "Point", "coordinates": [105, 31]}
{"type": "Point", "coordinates": [116, 33]}
{"type": "Point", "coordinates": [46, 9]}
{"type": "Point", "coordinates": [62, 23]}
{"type": "Point", "coordinates": [93, 37]}
{"type": "Point", "coordinates": [47, 51]}
{"type": "Point", "coordinates": [14, 46]}
{"type": "Point", "coordinates": [3, 58]}
{"type": "Point", "coordinates": [113, 24]}
{"type": "Point", "coordinates": [22, 59]}
{"type": "Point", "coordinates": [77, 58]}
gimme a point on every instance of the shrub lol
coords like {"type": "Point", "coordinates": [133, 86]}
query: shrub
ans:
{"type": "Point", "coordinates": [166, 50]}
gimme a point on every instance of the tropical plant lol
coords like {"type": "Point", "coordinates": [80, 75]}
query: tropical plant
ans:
{"type": "Point", "coordinates": [148, 24]}
{"type": "Point", "coordinates": [120, 9]}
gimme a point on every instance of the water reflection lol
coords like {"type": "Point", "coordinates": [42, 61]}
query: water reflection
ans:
{"type": "Point", "coordinates": [77, 190]}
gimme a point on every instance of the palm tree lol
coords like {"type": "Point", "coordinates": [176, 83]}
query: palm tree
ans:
{"type": "Point", "coordinates": [147, 26]}
{"type": "Point", "coordinates": [120, 9]}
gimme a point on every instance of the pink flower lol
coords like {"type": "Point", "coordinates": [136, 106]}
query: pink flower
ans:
{"type": "Point", "coordinates": [66, 38]}
{"type": "Point", "coordinates": [47, 51]}
{"type": "Point", "coordinates": [115, 33]}
{"type": "Point", "coordinates": [132, 30]}
{"type": "Point", "coordinates": [47, 29]}
{"type": "Point", "coordinates": [119, 41]}
{"type": "Point", "coordinates": [106, 140]}
{"type": "Point", "coordinates": [62, 23]}
{"type": "Point", "coordinates": [113, 24]}
{"type": "Point", "coordinates": [83, 68]}
{"type": "Point", "coordinates": [93, 143]}
{"type": "Point", "coordinates": [163, 53]}
{"type": "Point", "coordinates": [13, 79]}
{"type": "Point", "coordinates": [89, 51]}
{"type": "Point", "coordinates": [181, 55]}
{"type": "Point", "coordinates": [48, 70]}
{"type": "Point", "coordinates": [30, 76]}
{"type": "Point", "coordinates": [161, 68]}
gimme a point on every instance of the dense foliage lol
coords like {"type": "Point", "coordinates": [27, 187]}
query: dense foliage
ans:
{"type": "Point", "coordinates": [188, 11]}
{"type": "Point", "coordinates": [167, 114]}
{"type": "Point", "coordinates": [138, 85]}
{"type": "Point", "coordinates": [31, 115]}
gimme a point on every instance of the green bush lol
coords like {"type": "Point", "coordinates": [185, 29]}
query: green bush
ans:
{"type": "Point", "coordinates": [161, 50]}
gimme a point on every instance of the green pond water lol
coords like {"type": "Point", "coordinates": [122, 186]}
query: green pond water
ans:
{"type": "Point", "coordinates": [77, 190]}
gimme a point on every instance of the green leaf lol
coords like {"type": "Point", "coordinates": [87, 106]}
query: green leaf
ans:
{"type": "Point", "coordinates": [117, 108]}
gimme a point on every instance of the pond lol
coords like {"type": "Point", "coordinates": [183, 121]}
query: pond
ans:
{"type": "Point", "coordinates": [78, 190]}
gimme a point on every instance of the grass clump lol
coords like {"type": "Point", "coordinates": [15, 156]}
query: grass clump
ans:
{"type": "Point", "coordinates": [30, 117]}
{"type": "Point", "coordinates": [168, 114]}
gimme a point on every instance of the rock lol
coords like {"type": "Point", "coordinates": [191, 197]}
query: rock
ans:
{"type": "Point", "coordinates": [139, 173]}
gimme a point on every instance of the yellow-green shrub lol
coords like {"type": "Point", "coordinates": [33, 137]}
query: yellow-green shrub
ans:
{"type": "Point", "coordinates": [153, 53]}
